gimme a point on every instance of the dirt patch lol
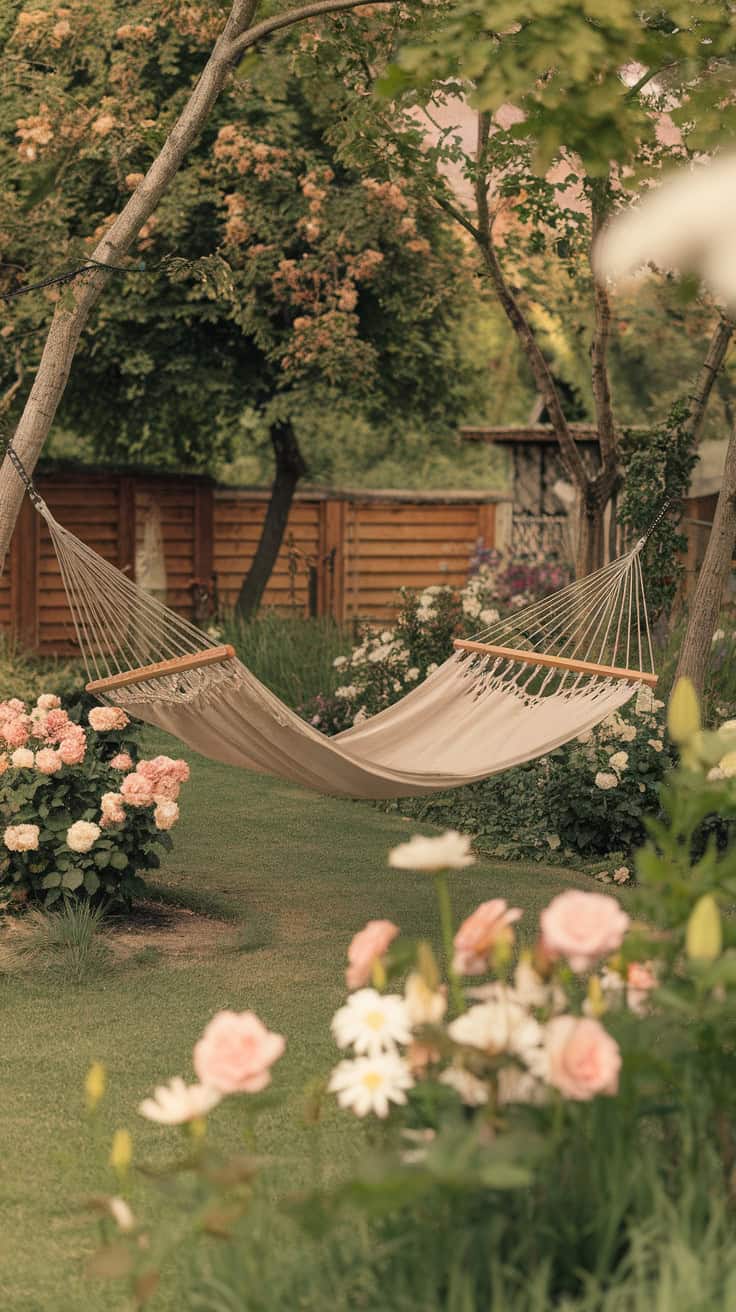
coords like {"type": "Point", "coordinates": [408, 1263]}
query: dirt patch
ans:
{"type": "Point", "coordinates": [173, 932]}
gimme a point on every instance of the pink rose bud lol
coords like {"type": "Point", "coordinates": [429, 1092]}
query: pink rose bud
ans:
{"type": "Point", "coordinates": [367, 947]}
{"type": "Point", "coordinates": [489, 926]}
{"type": "Point", "coordinates": [582, 928]}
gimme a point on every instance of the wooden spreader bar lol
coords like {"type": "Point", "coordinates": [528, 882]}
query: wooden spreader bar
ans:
{"type": "Point", "coordinates": [556, 662]}
{"type": "Point", "coordinates": [179, 665]}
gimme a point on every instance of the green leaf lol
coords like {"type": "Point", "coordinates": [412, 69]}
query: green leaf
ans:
{"type": "Point", "coordinates": [119, 861]}
{"type": "Point", "coordinates": [51, 881]}
{"type": "Point", "coordinates": [91, 882]}
{"type": "Point", "coordinates": [72, 879]}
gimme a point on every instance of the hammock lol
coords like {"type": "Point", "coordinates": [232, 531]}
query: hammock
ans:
{"type": "Point", "coordinates": [516, 690]}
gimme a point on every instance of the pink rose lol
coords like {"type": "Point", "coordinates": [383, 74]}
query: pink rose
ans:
{"type": "Point", "coordinates": [104, 718]}
{"type": "Point", "coordinates": [122, 762]}
{"type": "Point", "coordinates": [57, 724]}
{"type": "Point", "coordinates": [640, 980]}
{"type": "Point", "coordinates": [48, 701]}
{"type": "Point", "coordinates": [15, 731]}
{"type": "Point", "coordinates": [166, 815]}
{"type": "Point", "coordinates": [73, 745]}
{"type": "Point", "coordinates": [582, 927]}
{"type": "Point", "coordinates": [583, 1058]}
{"type": "Point", "coordinates": [165, 789]}
{"type": "Point", "coordinates": [367, 947]}
{"type": "Point", "coordinates": [136, 790]}
{"type": "Point", "coordinates": [488, 925]}
{"type": "Point", "coordinates": [235, 1053]}
{"type": "Point", "coordinates": [48, 761]}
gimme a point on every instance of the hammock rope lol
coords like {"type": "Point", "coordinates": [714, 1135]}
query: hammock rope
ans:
{"type": "Point", "coordinates": [522, 685]}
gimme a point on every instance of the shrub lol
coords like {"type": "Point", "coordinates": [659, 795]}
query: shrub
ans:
{"type": "Point", "coordinates": [80, 817]}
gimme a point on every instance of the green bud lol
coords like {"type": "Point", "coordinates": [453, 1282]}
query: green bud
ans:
{"type": "Point", "coordinates": [683, 713]}
{"type": "Point", "coordinates": [704, 936]}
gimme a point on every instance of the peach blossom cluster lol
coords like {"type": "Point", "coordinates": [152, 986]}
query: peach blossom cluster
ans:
{"type": "Point", "coordinates": [32, 132]}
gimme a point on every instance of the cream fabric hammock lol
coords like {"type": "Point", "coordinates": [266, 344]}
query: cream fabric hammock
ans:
{"type": "Point", "coordinates": [520, 688]}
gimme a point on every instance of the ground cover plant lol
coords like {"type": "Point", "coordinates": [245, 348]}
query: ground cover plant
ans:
{"type": "Point", "coordinates": [609, 1032]}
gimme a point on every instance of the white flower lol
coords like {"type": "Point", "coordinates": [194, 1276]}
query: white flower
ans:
{"type": "Point", "coordinates": [471, 607]}
{"type": "Point", "coordinates": [604, 780]}
{"type": "Point", "coordinates": [121, 1214]}
{"type": "Point", "coordinates": [432, 667]}
{"type": "Point", "coordinates": [655, 743]}
{"type": "Point", "coordinates": [82, 835]}
{"type": "Point", "coordinates": [387, 636]}
{"type": "Point", "coordinates": [176, 1102]}
{"type": "Point", "coordinates": [644, 701]}
{"type": "Point", "coordinates": [425, 613]}
{"type": "Point", "coordinates": [339, 662]}
{"type": "Point", "coordinates": [21, 838]}
{"type": "Point", "coordinates": [553, 841]}
{"type": "Point", "coordinates": [473, 1092]}
{"type": "Point", "coordinates": [22, 758]}
{"type": "Point", "coordinates": [347, 691]}
{"type": "Point", "coordinates": [619, 761]}
{"type": "Point", "coordinates": [515, 1085]}
{"type": "Point", "coordinates": [424, 1006]}
{"type": "Point", "coordinates": [449, 851]}
{"type": "Point", "coordinates": [621, 874]}
{"type": "Point", "coordinates": [489, 616]}
{"type": "Point", "coordinates": [500, 1025]}
{"type": "Point", "coordinates": [48, 701]}
{"type": "Point", "coordinates": [412, 674]}
{"type": "Point", "coordinates": [718, 636]}
{"type": "Point", "coordinates": [628, 733]}
{"type": "Point", "coordinates": [360, 715]}
{"type": "Point", "coordinates": [371, 1084]}
{"type": "Point", "coordinates": [642, 788]}
{"type": "Point", "coordinates": [371, 1022]}
{"type": "Point", "coordinates": [380, 653]}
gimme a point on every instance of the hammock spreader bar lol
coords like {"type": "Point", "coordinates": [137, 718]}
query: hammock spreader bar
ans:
{"type": "Point", "coordinates": [556, 662]}
{"type": "Point", "coordinates": [163, 669]}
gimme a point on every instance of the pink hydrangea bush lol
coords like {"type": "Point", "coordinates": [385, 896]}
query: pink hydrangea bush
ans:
{"type": "Point", "coordinates": [81, 814]}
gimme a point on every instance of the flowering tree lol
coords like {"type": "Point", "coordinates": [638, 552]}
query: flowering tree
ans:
{"type": "Point", "coordinates": [555, 144]}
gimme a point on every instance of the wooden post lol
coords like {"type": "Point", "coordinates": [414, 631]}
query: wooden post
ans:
{"type": "Point", "coordinates": [204, 532]}
{"type": "Point", "coordinates": [24, 577]}
{"type": "Point", "coordinates": [331, 579]}
{"type": "Point", "coordinates": [126, 526]}
{"type": "Point", "coordinates": [487, 523]}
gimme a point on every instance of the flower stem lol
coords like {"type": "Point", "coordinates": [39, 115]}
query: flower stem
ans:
{"type": "Point", "coordinates": [457, 1000]}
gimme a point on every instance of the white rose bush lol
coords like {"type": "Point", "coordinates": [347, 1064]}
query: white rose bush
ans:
{"type": "Point", "coordinates": [79, 817]}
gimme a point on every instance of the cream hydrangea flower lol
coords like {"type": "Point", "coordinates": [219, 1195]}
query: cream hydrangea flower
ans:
{"type": "Point", "coordinates": [605, 780]}
{"type": "Point", "coordinates": [619, 761]}
{"type": "Point", "coordinates": [371, 1022]}
{"type": "Point", "coordinates": [21, 838]}
{"type": "Point", "coordinates": [176, 1102]}
{"type": "Point", "coordinates": [371, 1084]}
{"type": "Point", "coordinates": [22, 758]}
{"type": "Point", "coordinates": [449, 851]}
{"type": "Point", "coordinates": [82, 835]}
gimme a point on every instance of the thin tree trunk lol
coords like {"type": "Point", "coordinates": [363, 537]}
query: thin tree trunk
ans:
{"type": "Point", "coordinates": [290, 467]}
{"type": "Point", "coordinates": [69, 319]}
{"type": "Point", "coordinates": [712, 579]}
{"type": "Point", "coordinates": [709, 371]}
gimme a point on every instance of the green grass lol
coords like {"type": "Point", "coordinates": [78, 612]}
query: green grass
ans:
{"type": "Point", "coordinates": [298, 874]}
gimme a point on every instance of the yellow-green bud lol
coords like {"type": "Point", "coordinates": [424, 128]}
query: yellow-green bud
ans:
{"type": "Point", "coordinates": [121, 1153]}
{"type": "Point", "coordinates": [596, 1000]}
{"type": "Point", "coordinates": [94, 1084]}
{"type": "Point", "coordinates": [683, 712]}
{"type": "Point", "coordinates": [704, 936]}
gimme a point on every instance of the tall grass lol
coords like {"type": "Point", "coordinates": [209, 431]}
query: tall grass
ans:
{"type": "Point", "coordinates": [65, 946]}
{"type": "Point", "coordinates": [293, 656]}
{"type": "Point", "coordinates": [25, 675]}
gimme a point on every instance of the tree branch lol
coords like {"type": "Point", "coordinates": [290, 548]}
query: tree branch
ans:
{"type": "Point", "coordinates": [599, 354]}
{"type": "Point", "coordinates": [709, 370]}
{"type": "Point", "coordinates": [280, 21]}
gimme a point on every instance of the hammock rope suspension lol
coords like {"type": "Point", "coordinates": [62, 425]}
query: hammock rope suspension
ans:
{"type": "Point", "coordinates": [520, 687]}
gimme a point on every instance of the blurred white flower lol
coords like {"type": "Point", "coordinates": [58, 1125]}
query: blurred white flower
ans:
{"type": "Point", "coordinates": [449, 851]}
{"type": "Point", "coordinates": [121, 1214]}
{"type": "Point", "coordinates": [347, 691]}
{"type": "Point", "coordinates": [412, 674]}
{"type": "Point", "coordinates": [656, 744]}
{"type": "Point", "coordinates": [619, 761]}
{"type": "Point", "coordinates": [424, 1006]}
{"type": "Point", "coordinates": [371, 1022]}
{"type": "Point", "coordinates": [473, 1092]}
{"type": "Point", "coordinates": [176, 1102]}
{"type": "Point", "coordinates": [553, 841]}
{"type": "Point", "coordinates": [432, 667]}
{"type": "Point", "coordinates": [688, 224]}
{"type": "Point", "coordinates": [371, 1084]}
{"type": "Point", "coordinates": [360, 716]}
{"type": "Point", "coordinates": [340, 662]}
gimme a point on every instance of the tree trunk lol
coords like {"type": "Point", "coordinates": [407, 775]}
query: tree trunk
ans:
{"type": "Point", "coordinates": [290, 467]}
{"type": "Point", "coordinates": [712, 579]}
{"type": "Point", "coordinates": [69, 319]}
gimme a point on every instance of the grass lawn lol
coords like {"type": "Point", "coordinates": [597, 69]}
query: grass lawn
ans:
{"type": "Point", "coordinates": [298, 874]}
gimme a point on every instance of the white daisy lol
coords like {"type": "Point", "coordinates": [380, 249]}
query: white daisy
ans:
{"type": "Point", "coordinates": [371, 1084]}
{"type": "Point", "coordinates": [372, 1022]}
{"type": "Point", "coordinates": [449, 851]}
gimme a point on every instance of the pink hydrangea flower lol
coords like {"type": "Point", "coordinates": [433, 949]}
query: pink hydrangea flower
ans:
{"type": "Point", "coordinates": [15, 731]}
{"type": "Point", "coordinates": [583, 1058]}
{"type": "Point", "coordinates": [48, 761]}
{"type": "Point", "coordinates": [11, 710]}
{"type": "Point", "coordinates": [236, 1052]}
{"type": "Point", "coordinates": [582, 927]}
{"type": "Point", "coordinates": [166, 789]}
{"type": "Point", "coordinates": [122, 762]}
{"type": "Point", "coordinates": [490, 924]}
{"type": "Point", "coordinates": [367, 947]}
{"type": "Point", "coordinates": [73, 746]}
{"type": "Point", "coordinates": [136, 789]}
{"type": "Point", "coordinates": [111, 806]}
{"type": "Point", "coordinates": [104, 718]}
{"type": "Point", "coordinates": [3, 762]}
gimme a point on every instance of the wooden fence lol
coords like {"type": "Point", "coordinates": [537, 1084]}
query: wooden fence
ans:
{"type": "Point", "coordinates": [191, 542]}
